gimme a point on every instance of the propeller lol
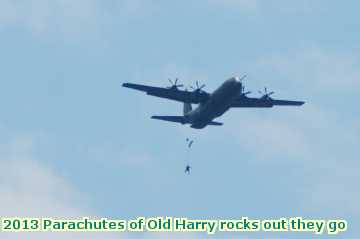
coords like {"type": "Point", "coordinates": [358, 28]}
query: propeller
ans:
{"type": "Point", "coordinates": [243, 91]}
{"type": "Point", "coordinates": [198, 87]}
{"type": "Point", "coordinates": [242, 78]}
{"type": "Point", "coordinates": [266, 94]}
{"type": "Point", "coordinates": [174, 84]}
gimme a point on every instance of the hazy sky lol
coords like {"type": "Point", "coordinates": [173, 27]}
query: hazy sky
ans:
{"type": "Point", "coordinates": [74, 143]}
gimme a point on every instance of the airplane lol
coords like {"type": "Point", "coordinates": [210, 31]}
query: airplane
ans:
{"type": "Point", "coordinates": [231, 94]}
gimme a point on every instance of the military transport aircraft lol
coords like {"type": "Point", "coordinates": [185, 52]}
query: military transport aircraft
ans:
{"type": "Point", "coordinates": [231, 94]}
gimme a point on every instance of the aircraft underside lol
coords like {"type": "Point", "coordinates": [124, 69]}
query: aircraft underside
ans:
{"type": "Point", "coordinates": [231, 94]}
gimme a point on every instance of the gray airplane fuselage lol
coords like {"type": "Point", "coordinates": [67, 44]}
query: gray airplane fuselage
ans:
{"type": "Point", "coordinates": [218, 103]}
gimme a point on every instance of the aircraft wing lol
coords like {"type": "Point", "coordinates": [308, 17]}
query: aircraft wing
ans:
{"type": "Point", "coordinates": [248, 102]}
{"type": "Point", "coordinates": [181, 119]}
{"type": "Point", "coordinates": [287, 102]}
{"type": "Point", "coordinates": [194, 97]}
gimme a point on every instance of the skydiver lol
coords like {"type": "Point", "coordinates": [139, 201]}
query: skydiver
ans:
{"type": "Point", "coordinates": [190, 142]}
{"type": "Point", "coordinates": [187, 169]}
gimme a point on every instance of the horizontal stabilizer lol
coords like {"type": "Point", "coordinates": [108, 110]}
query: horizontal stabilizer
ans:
{"type": "Point", "coordinates": [176, 119]}
{"type": "Point", "coordinates": [215, 123]}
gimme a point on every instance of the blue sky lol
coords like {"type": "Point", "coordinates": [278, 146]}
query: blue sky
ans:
{"type": "Point", "coordinates": [75, 143]}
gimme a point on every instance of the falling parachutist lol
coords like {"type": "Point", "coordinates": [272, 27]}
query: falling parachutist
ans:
{"type": "Point", "coordinates": [188, 168]}
{"type": "Point", "coordinates": [190, 142]}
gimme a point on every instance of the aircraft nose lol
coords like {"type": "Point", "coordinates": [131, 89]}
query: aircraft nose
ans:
{"type": "Point", "coordinates": [237, 79]}
{"type": "Point", "coordinates": [234, 83]}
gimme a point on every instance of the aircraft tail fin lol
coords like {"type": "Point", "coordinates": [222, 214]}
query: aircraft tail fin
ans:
{"type": "Point", "coordinates": [176, 119]}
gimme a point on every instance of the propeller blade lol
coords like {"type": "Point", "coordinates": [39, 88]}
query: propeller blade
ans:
{"type": "Point", "coordinates": [243, 77]}
{"type": "Point", "coordinates": [198, 88]}
{"type": "Point", "coordinates": [174, 84]}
